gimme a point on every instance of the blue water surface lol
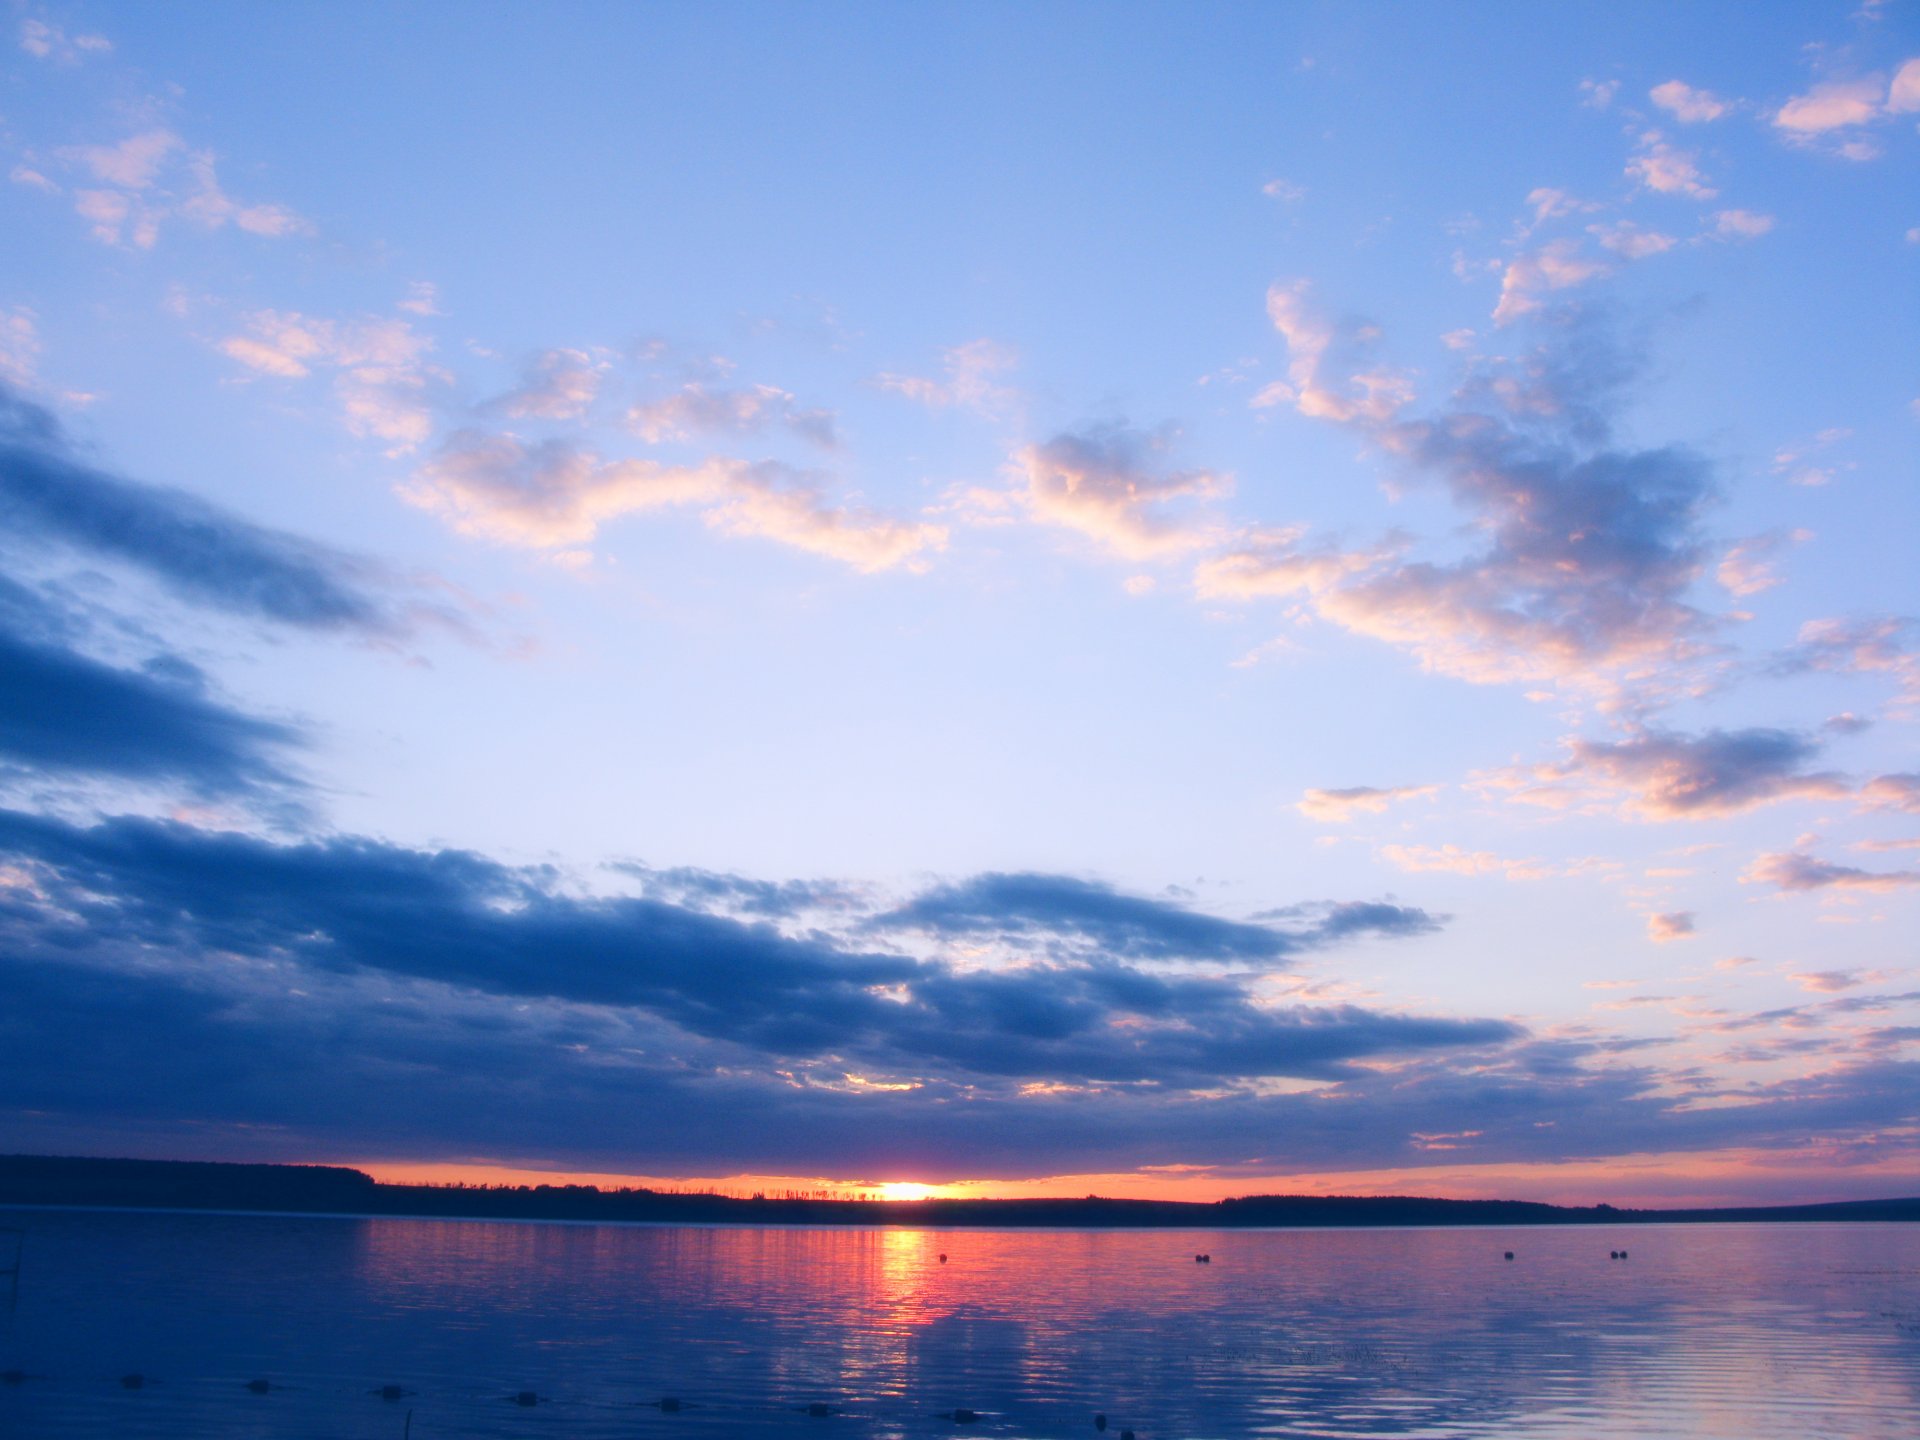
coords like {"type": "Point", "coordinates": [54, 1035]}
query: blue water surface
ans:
{"type": "Point", "coordinates": [1752, 1331]}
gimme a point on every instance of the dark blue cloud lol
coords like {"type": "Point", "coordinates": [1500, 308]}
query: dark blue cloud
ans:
{"type": "Point", "coordinates": [354, 906]}
{"type": "Point", "coordinates": [1072, 915]}
{"type": "Point", "coordinates": [199, 551]}
{"type": "Point", "coordinates": [266, 1059]}
{"type": "Point", "coordinates": [61, 711]}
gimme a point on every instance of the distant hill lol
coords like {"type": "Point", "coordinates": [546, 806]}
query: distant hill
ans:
{"type": "Point", "coordinates": [45, 1180]}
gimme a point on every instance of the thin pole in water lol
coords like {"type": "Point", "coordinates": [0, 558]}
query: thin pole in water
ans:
{"type": "Point", "coordinates": [409, 1426]}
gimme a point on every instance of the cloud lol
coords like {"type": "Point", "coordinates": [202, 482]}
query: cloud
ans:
{"type": "Point", "coordinates": [66, 713]}
{"type": "Point", "coordinates": [1107, 483]}
{"type": "Point", "coordinates": [46, 41]}
{"type": "Point", "coordinates": [557, 385]}
{"type": "Point", "coordinates": [1589, 552]}
{"type": "Point", "coordinates": [553, 494]}
{"type": "Point", "coordinates": [1748, 568]}
{"type": "Point", "coordinates": [1660, 167]}
{"type": "Point", "coordinates": [1795, 871]}
{"type": "Point", "coordinates": [1364, 393]}
{"type": "Point", "coordinates": [969, 379]}
{"type": "Point", "coordinates": [198, 551]}
{"type": "Point", "coordinates": [1903, 95]}
{"type": "Point", "coordinates": [696, 410]}
{"type": "Point", "coordinates": [1686, 104]}
{"type": "Point", "coordinates": [381, 373]}
{"type": "Point", "coordinates": [19, 348]}
{"type": "Point", "coordinates": [1832, 106]}
{"type": "Point", "coordinates": [152, 177]}
{"type": "Point", "coordinates": [1548, 203]}
{"type": "Point", "coordinates": [1893, 792]}
{"type": "Point", "coordinates": [1336, 807]}
{"type": "Point", "coordinates": [355, 908]}
{"type": "Point", "coordinates": [1828, 982]}
{"type": "Point", "coordinates": [1670, 926]}
{"type": "Point", "coordinates": [1741, 224]}
{"type": "Point", "coordinates": [210, 206]}
{"type": "Point", "coordinates": [133, 164]}
{"type": "Point", "coordinates": [1069, 916]}
{"type": "Point", "coordinates": [1557, 265]}
{"type": "Point", "coordinates": [1882, 645]}
{"type": "Point", "coordinates": [1662, 775]}
{"type": "Point", "coordinates": [1268, 563]}
{"type": "Point", "coordinates": [1628, 240]}
{"type": "Point", "coordinates": [1598, 94]}
{"type": "Point", "coordinates": [1453, 860]}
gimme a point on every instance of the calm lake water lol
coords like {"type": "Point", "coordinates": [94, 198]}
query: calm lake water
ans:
{"type": "Point", "coordinates": [1739, 1331]}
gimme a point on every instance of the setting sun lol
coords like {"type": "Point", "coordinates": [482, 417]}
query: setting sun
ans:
{"type": "Point", "coordinates": [905, 1190]}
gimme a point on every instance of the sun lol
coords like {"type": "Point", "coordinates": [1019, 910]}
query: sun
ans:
{"type": "Point", "coordinates": [905, 1190]}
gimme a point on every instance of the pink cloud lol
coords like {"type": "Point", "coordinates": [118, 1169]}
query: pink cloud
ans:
{"type": "Point", "coordinates": [1796, 871]}
{"type": "Point", "coordinates": [1107, 483]}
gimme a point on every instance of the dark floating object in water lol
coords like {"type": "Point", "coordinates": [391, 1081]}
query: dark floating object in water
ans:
{"type": "Point", "coordinates": [133, 1381]}
{"type": "Point", "coordinates": [964, 1416]}
{"type": "Point", "coordinates": [1100, 1422]}
{"type": "Point", "coordinates": [819, 1410]}
{"type": "Point", "coordinates": [525, 1397]}
{"type": "Point", "coordinates": [669, 1406]}
{"type": "Point", "coordinates": [1126, 1435]}
{"type": "Point", "coordinates": [1203, 1259]}
{"type": "Point", "coordinates": [259, 1387]}
{"type": "Point", "coordinates": [1623, 1254]}
{"type": "Point", "coordinates": [943, 1257]}
{"type": "Point", "coordinates": [390, 1392]}
{"type": "Point", "coordinates": [13, 1377]}
{"type": "Point", "coordinates": [1509, 1254]}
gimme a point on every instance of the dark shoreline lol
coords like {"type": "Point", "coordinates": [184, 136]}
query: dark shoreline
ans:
{"type": "Point", "coordinates": [41, 1180]}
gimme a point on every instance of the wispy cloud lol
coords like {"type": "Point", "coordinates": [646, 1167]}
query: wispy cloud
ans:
{"type": "Point", "coordinates": [1664, 168]}
{"type": "Point", "coordinates": [695, 410]}
{"type": "Point", "coordinates": [200, 552]}
{"type": "Point", "coordinates": [383, 377]}
{"type": "Point", "coordinates": [1794, 870]}
{"type": "Point", "coordinates": [1110, 483]}
{"type": "Point", "coordinates": [1686, 104]}
{"type": "Point", "coordinates": [143, 181]}
{"type": "Point", "coordinates": [1665, 775]}
{"type": "Point", "coordinates": [1339, 806]}
{"type": "Point", "coordinates": [557, 385]}
{"type": "Point", "coordinates": [45, 40]}
{"type": "Point", "coordinates": [554, 494]}
{"type": "Point", "coordinates": [968, 379]}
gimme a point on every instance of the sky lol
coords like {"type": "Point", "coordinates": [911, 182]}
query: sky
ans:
{"type": "Point", "coordinates": [1140, 599]}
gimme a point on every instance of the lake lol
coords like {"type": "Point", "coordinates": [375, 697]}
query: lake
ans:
{"type": "Point", "coordinates": [1747, 1331]}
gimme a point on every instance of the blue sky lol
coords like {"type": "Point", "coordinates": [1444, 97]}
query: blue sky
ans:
{"type": "Point", "coordinates": [1264, 597]}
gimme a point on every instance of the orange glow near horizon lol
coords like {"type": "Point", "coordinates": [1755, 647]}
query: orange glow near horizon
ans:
{"type": "Point", "coordinates": [1649, 1180]}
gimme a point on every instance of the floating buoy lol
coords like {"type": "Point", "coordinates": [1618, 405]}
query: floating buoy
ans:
{"type": "Point", "coordinates": [133, 1381]}
{"type": "Point", "coordinates": [943, 1257]}
{"type": "Point", "coordinates": [1100, 1422]}
{"type": "Point", "coordinates": [1623, 1254]}
{"type": "Point", "coordinates": [670, 1406]}
{"type": "Point", "coordinates": [964, 1416]}
{"type": "Point", "coordinates": [389, 1392]}
{"type": "Point", "coordinates": [1613, 1254]}
{"type": "Point", "coordinates": [1126, 1435]}
{"type": "Point", "coordinates": [259, 1387]}
{"type": "Point", "coordinates": [526, 1397]}
{"type": "Point", "coordinates": [819, 1410]}
{"type": "Point", "coordinates": [1509, 1254]}
{"type": "Point", "coordinates": [14, 1377]}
